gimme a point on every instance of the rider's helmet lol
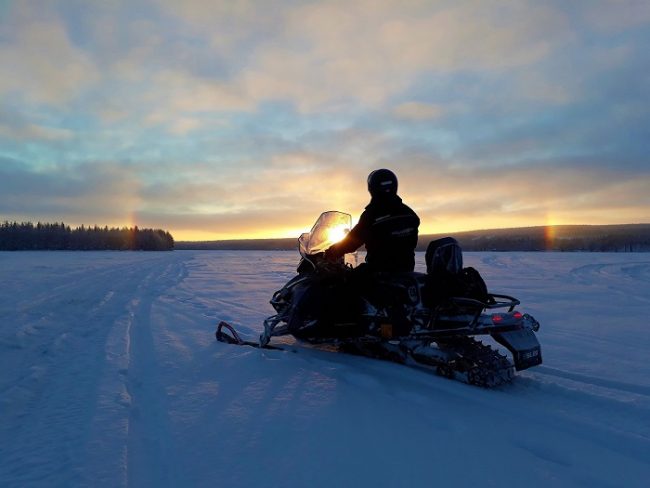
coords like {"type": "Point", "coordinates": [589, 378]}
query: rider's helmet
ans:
{"type": "Point", "coordinates": [382, 181]}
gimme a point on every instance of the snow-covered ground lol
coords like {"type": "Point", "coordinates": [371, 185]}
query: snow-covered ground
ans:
{"type": "Point", "coordinates": [110, 376]}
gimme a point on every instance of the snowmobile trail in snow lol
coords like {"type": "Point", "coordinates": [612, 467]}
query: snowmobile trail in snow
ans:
{"type": "Point", "coordinates": [591, 380]}
{"type": "Point", "coordinates": [90, 333]}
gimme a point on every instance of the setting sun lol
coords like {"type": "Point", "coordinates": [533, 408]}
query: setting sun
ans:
{"type": "Point", "coordinates": [336, 234]}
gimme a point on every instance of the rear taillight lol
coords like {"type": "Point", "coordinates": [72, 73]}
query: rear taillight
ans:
{"type": "Point", "coordinates": [506, 318]}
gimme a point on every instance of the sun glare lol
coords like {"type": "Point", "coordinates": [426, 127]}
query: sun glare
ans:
{"type": "Point", "coordinates": [335, 234]}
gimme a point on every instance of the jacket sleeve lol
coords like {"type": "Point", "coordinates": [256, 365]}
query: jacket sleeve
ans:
{"type": "Point", "coordinates": [355, 238]}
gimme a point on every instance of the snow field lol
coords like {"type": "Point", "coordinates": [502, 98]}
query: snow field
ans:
{"type": "Point", "coordinates": [110, 376]}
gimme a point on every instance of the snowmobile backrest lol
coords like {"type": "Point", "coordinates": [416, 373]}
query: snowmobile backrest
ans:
{"type": "Point", "coordinates": [444, 255]}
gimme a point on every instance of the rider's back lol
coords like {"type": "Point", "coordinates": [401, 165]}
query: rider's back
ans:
{"type": "Point", "coordinates": [391, 234]}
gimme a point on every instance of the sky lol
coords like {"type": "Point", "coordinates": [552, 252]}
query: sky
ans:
{"type": "Point", "coordinates": [247, 119]}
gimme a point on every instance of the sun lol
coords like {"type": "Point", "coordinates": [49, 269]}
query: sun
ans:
{"type": "Point", "coordinates": [335, 234]}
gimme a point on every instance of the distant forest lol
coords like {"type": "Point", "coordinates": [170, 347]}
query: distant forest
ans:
{"type": "Point", "coordinates": [591, 238]}
{"type": "Point", "coordinates": [26, 236]}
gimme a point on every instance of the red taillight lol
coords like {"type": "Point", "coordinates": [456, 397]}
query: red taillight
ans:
{"type": "Point", "coordinates": [497, 319]}
{"type": "Point", "coordinates": [517, 315]}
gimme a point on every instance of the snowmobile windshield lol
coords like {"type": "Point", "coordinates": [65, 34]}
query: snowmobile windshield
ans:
{"type": "Point", "coordinates": [329, 229]}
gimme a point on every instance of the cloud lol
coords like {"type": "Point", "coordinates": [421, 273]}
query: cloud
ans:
{"type": "Point", "coordinates": [613, 16]}
{"type": "Point", "coordinates": [295, 187]}
{"type": "Point", "coordinates": [227, 116]}
{"type": "Point", "coordinates": [182, 92]}
{"type": "Point", "coordinates": [328, 54]}
{"type": "Point", "coordinates": [288, 193]}
{"type": "Point", "coordinates": [184, 126]}
{"type": "Point", "coordinates": [196, 57]}
{"type": "Point", "coordinates": [84, 193]}
{"type": "Point", "coordinates": [457, 198]}
{"type": "Point", "coordinates": [33, 132]}
{"type": "Point", "coordinates": [41, 63]}
{"type": "Point", "coordinates": [193, 56]}
{"type": "Point", "coordinates": [418, 111]}
{"type": "Point", "coordinates": [252, 224]}
{"type": "Point", "coordinates": [366, 52]}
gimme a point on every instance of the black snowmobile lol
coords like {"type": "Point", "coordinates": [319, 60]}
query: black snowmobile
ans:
{"type": "Point", "coordinates": [429, 320]}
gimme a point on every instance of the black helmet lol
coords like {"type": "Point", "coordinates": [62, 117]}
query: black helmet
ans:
{"type": "Point", "coordinates": [382, 181]}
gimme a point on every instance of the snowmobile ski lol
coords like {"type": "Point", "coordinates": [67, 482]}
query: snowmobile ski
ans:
{"type": "Point", "coordinates": [230, 336]}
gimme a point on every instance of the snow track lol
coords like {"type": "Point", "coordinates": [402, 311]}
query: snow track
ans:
{"type": "Point", "coordinates": [74, 365]}
{"type": "Point", "coordinates": [110, 376]}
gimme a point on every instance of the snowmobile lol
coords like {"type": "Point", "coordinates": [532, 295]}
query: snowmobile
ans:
{"type": "Point", "coordinates": [429, 320]}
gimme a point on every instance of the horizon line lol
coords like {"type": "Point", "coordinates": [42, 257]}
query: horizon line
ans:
{"type": "Point", "coordinates": [432, 233]}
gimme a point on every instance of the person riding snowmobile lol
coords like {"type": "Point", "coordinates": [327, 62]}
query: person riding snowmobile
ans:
{"type": "Point", "coordinates": [387, 227]}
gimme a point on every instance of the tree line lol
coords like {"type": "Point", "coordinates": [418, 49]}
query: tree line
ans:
{"type": "Point", "coordinates": [590, 238]}
{"type": "Point", "coordinates": [26, 236]}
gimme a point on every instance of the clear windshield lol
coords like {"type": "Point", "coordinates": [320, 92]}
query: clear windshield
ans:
{"type": "Point", "coordinates": [329, 229]}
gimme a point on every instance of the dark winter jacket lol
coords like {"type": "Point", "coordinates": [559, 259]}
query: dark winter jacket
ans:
{"type": "Point", "coordinates": [389, 229]}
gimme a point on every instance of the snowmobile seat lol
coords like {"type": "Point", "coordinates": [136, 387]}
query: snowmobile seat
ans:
{"type": "Point", "coordinates": [400, 287]}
